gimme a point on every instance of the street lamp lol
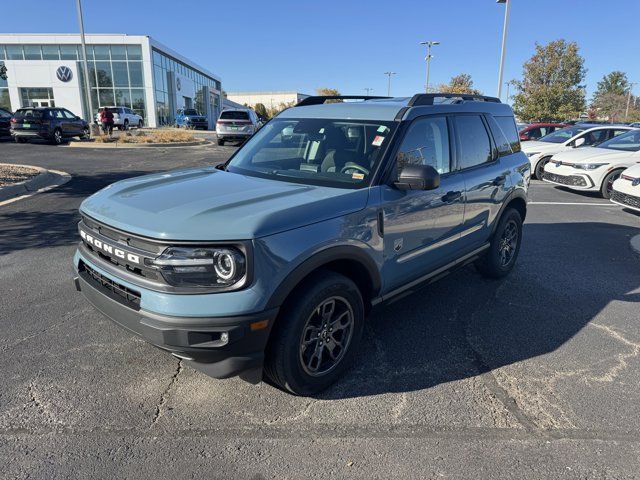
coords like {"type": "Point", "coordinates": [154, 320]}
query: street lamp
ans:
{"type": "Point", "coordinates": [428, 44]}
{"type": "Point", "coordinates": [504, 42]}
{"type": "Point", "coordinates": [626, 112]}
{"type": "Point", "coordinates": [368, 90]}
{"type": "Point", "coordinates": [388, 74]}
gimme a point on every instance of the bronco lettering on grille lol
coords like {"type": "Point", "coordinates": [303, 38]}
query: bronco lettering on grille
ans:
{"type": "Point", "coordinates": [110, 249]}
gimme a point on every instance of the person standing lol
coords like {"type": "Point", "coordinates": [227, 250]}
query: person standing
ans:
{"type": "Point", "coordinates": [106, 118]}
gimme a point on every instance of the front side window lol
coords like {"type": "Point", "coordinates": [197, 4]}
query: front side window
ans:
{"type": "Point", "coordinates": [473, 141]}
{"type": "Point", "coordinates": [426, 143]}
{"type": "Point", "coordinates": [595, 137]}
{"type": "Point", "coordinates": [334, 153]}
{"type": "Point", "coordinates": [627, 142]}
{"type": "Point", "coordinates": [69, 115]}
{"type": "Point", "coordinates": [562, 135]}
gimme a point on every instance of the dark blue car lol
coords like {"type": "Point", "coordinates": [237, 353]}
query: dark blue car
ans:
{"type": "Point", "coordinates": [5, 122]}
{"type": "Point", "coordinates": [49, 123]}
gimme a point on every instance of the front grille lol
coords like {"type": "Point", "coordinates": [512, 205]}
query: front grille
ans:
{"type": "Point", "coordinates": [108, 287]}
{"type": "Point", "coordinates": [573, 180]}
{"type": "Point", "coordinates": [625, 199]}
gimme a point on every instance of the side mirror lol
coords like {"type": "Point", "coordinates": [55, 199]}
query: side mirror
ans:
{"type": "Point", "coordinates": [418, 177]}
{"type": "Point", "coordinates": [579, 142]}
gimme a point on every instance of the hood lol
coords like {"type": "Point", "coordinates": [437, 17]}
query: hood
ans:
{"type": "Point", "coordinates": [593, 155]}
{"type": "Point", "coordinates": [535, 146]}
{"type": "Point", "coordinates": [211, 204]}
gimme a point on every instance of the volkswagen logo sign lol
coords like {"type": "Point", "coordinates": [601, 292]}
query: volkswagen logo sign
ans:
{"type": "Point", "coordinates": [64, 74]}
{"type": "Point", "coordinates": [635, 182]}
{"type": "Point", "coordinates": [178, 84]}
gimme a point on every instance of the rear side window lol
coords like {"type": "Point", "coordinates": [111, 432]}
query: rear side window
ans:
{"type": "Point", "coordinates": [234, 115]}
{"type": "Point", "coordinates": [426, 143]}
{"type": "Point", "coordinates": [473, 141]}
{"type": "Point", "coordinates": [508, 127]}
{"type": "Point", "coordinates": [502, 144]}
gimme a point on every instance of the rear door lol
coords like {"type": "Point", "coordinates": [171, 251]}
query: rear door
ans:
{"type": "Point", "coordinates": [421, 227]}
{"type": "Point", "coordinates": [486, 179]}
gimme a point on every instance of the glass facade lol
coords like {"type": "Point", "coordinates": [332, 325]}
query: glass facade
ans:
{"type": "Point", "coordinates": [162, 64]}
{"type": "Point", "coordinates": [115, 71]}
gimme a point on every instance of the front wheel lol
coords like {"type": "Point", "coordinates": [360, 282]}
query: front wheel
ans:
{"type": "Point", "coordinates": [85, 133]}
{"type": "Point", "coordinates": [316, 334]}
{"type": "Point", "coordinates": [607, 184]}
{"type": "Point", "coordinates": [125, 125]}
{"type": "Point", "coordinates": [140, 124]}
{"type": "Point", "coordinates": [540, 167]}
{"type": "Point", "coordinates": [503, 251]}
{"type": "Point", "coordinates": [57, 137]}
{"type": "Point", "coordinates": [220, 141]}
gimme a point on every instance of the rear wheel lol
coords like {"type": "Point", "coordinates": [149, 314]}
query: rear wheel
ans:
{"type": "Point", "coordinates": [540, 167]}
{"type": "Point", "coordinates": [125, 125]}
{"type": "Point", "coordinates": [504, 248]}
{"type": "Point", "coordinates": [607, 184]}
{"type": "Point", "coordinates": [316, 334]}
{"type": "Point", "coordinates": [57, 137]}
{"type": "Point", "coordinates": [85, 133]}
{"type": "Point", "coordinates": [20, 139]}
{"type": "Point", "coordinates": [140, 124]}
{"type": "Point", "coordinates": [220, 141]}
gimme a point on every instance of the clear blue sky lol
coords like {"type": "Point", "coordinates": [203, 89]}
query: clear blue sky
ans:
{"type": "Point", "coordinates": [301, 45]}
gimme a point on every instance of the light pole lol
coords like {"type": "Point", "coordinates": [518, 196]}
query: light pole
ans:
{"type": "Point", "coordinates": [428, 44]}
{"type": "Point", "coordinates": [388, 74]}
{"type": "Point", "coordinates": [626, 112]}
{"type": "Point", "coordinates": [368, 90]}
{"type": "Point", "coordinates": [505, 28]}
{"type": "Point", "coordinates": [508, 84]}
{"type": "Point", "coordinates": [86, 69]}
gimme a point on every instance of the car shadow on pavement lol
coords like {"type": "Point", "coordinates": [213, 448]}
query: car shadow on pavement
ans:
{"type": "Point", "coordinates": [465, 325]}
{"type": "Point", "coordinates": [54, 223]}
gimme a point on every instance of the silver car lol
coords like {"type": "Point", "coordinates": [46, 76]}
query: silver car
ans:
{"type": "Point", "coordinates": [123, 117]}
{"type": "Point", "coordinates": [237, 124]}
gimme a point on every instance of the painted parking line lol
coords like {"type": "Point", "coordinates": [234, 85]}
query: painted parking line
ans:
{"type": "Point", "coordinates": [573, 203]}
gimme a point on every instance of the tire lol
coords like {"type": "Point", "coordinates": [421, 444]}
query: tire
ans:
{"type": "Point", "coordinates": [140, 124]}
{"type": "Point", "coordinates": [20, 139]}
{"type": "Point", "coordinates": [504, 248]}
{"type": "Point", "coordinates": [540, 167]}
{"type": "Point", "coordinates": [607, 183]}
{"type": "Point", "coordinates": [220, 141]}
{"type": "Point", "coordinates": [57, 137]}
{"type": "Point", "coordinates": [85, 133]}
{"type": "Point", "coordinates": [125, 125]}
{"type": "Point", "coordinates": [308, 369]}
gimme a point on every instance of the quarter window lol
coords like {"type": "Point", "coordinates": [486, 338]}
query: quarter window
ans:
{"type": "Point", "coordinates": [426, 143]}
{"type": "Point", "coordinates": [473, 141]}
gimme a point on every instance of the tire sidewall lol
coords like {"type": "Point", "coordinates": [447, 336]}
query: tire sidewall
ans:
{"type": "Point", "coordinates": [494, 253]}
{"type": "Point", "coordinates": [603, 187]}
{"type": "Point", "coordinates": [540, 167]}
{"type": "Point", "coordinates": [295, 317]}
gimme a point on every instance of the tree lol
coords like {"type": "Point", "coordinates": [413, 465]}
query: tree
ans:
{"type": "Point", "coordinates": [328, 92]}
{"type": "Point", "coordinates": [3, 71]}
{"type": "Point", "coordinates": [459, 84]}
{"type": "Point", "coordinates": [551, 88]}
{"type": "Point", "coordinates": [260, 110]}
{"type": "Point", "coordinates": [610, 98]}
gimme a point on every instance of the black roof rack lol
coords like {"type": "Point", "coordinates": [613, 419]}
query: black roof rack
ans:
{"type": "Point", "coordinates": [428, 98]}
{"type": "Point", "coordinates": [320, 99]}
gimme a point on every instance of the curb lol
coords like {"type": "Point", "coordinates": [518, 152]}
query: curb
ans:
{"type": "Point", "coordinates": [137, 145]}
{"type": "Point", "coordinates": [43, 180]}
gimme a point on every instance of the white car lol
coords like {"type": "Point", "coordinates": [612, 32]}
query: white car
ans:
{"type": "Point", "coordinates": [626, 189]}
{"type": "Point", "coordinates": [540, 151]}
{"type": "Point", "coordinates": [123, 117]}
{"type": "Point", "coordinates": [595, 168]}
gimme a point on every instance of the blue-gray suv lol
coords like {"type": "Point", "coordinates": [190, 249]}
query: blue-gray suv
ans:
{"type": "Point", "coordinates": [269, 264]}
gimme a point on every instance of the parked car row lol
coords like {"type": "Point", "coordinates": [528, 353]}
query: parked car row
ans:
{"type": "Point", "coordinates": [53, 124]}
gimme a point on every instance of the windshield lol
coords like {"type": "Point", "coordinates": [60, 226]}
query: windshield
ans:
{"type": "Point", "coordinates": [628, 142]}
{"type": "Point", "coordinates": [335, 153]}
{"type": "Point", "coordinates": [191, 111]}
{"type": "Point", "coordinates": [235, 115]}
{"type": "Point", "coordinates": [561, 136]}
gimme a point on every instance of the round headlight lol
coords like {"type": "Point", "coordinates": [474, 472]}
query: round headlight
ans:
{"type": "Point", "coordinates": [225, 265]}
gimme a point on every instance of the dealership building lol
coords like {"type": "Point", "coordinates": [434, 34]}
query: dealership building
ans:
{"type": "Point", "coordinates": [124, 70]}
{"type": "Point", "coordinates": [268, 99]}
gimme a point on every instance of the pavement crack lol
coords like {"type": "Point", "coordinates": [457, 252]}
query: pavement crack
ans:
{"type": "Point", "coordinates": [159, 409]}
{"type": "Point", "coordinates": [622, 358]}
{"type": "Point", "coordinates": [34, 398]}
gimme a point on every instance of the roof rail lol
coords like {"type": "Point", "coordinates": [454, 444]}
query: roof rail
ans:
{"type": "Point", "coordinates": [320, 99]}
{"type": "Point", "coordinates": [427, 98]}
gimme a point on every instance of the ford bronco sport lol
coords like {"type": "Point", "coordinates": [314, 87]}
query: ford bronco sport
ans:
{"type": "Point", "coordinates": [269, 264]}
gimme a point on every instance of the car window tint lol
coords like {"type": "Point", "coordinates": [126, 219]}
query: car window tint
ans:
{"type": "Point", "coordinates": [234, 115]}
{"type": "Point", "coordinates": [534, 133]}
{"type": "Point", "coordinates": [595, 137]}
{"type": "Point", "coordinates": [473, 141]}
{"type": "Point", "coordinates": [508, 127]}
{"type": "Point", "coordinates": [57, 114]}
{"type": "Point", "coordinates": [68, 114]}
{"type": "Point", "coordinates": [426, 143]}
{"type": "Point", "coordinates": [502, 144]}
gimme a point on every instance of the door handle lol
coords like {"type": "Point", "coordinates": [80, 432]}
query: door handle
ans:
{"type": "Point", "coordinates": [499, 181]}
{"type": "Point", "coordinates": [451, 197]}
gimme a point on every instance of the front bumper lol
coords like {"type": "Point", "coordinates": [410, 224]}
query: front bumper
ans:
{"type": "Point", "coordinates": [626, 200]}
{"type": "Point", "coordinates": [200, 341]}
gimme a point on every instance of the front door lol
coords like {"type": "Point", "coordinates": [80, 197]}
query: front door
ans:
{"type": "Point", "coordinates": [421, 228]}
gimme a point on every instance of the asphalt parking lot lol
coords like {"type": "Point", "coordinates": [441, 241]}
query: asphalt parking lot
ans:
{"type": "Point", "coordinates": [532, 376]}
